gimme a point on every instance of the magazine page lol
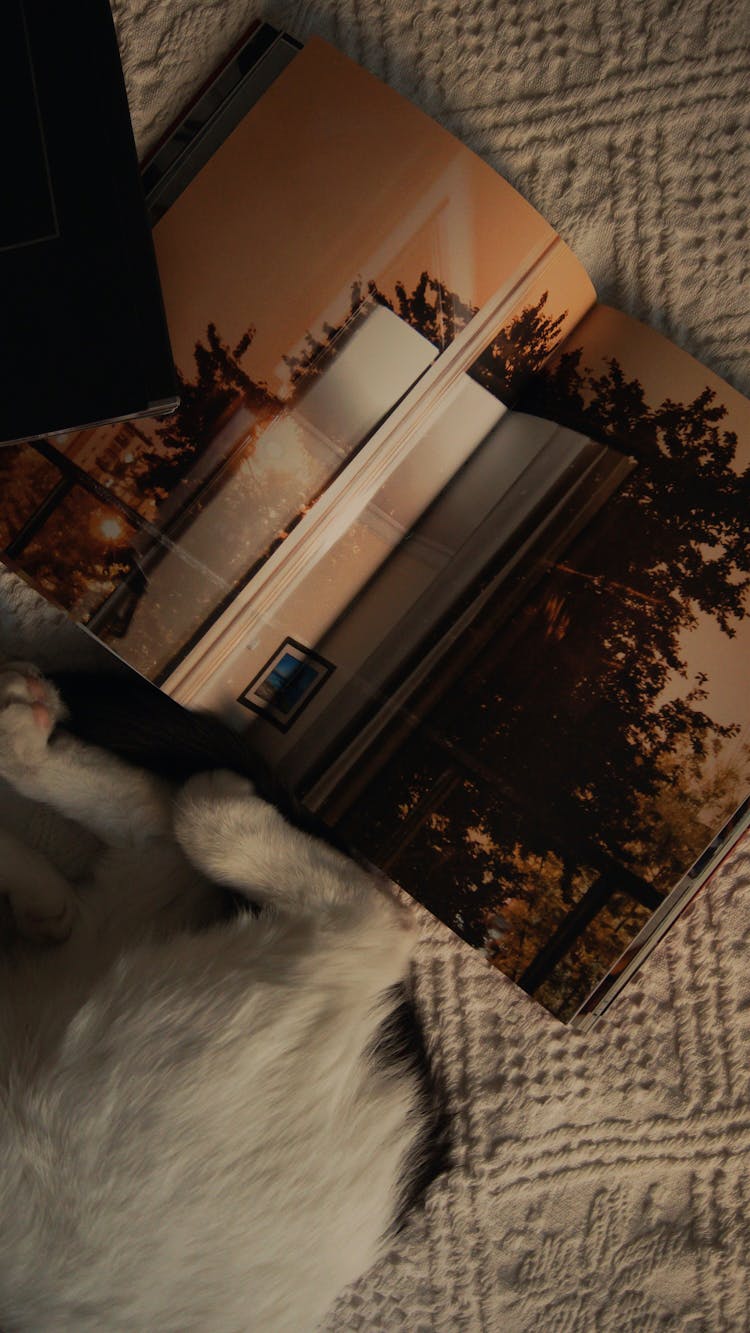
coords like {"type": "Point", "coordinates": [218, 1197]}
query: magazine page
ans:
{"type": "Point", "coordinates": [338, 250]}
{"type": "Point", "coordinates": [533, 712]}
{"type": "Point", "coordinates": [660, 591]}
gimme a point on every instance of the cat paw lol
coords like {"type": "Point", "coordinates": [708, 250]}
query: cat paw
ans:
{"type": "Point", "coordinates": [30, 708]}
{"type": "Point", "coordinates": [216, 787]}
{"type": "Point", "coordinates": [212, 811]}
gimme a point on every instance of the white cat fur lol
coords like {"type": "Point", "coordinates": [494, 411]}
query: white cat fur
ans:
{"type": "Point", "coordinates": [192, 1136]}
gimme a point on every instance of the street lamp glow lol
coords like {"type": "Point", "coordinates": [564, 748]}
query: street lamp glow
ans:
{"type": "Point", "coordinates": [111, 528]}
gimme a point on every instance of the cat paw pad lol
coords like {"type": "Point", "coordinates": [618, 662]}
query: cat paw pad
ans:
{"type": "Point", "coordinates": [30, 708]}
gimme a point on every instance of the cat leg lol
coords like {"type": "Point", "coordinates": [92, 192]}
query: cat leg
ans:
{"type": "Point", "coordinates": [244, 843]}
{"type": "Point", "coordinates": [41, 899]}
{"type": "Point", "coordinates": [122, 805]}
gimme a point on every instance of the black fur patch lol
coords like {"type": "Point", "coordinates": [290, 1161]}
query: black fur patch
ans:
{"type": "Point", "coordinates": [401, 1042]}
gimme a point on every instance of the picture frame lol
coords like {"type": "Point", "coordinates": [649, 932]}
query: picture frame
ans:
{"type": "Point", "coordinates": [286, 684]}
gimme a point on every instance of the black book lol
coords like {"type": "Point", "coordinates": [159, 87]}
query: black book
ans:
{"type": "Point", "coordinates": [83, 336]}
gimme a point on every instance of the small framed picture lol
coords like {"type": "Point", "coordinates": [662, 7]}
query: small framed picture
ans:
{"type": "Point", "coordinates": [286, 684]}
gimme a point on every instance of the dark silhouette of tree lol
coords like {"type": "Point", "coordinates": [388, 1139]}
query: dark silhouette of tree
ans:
{"type": "Point", "coordinates": [679, 527]}
{"type": "Point", "coordinates": [431, 308]}
{"type": "Point", "coordinates": [550, 754]}
{"type": "Point", "coordinates": [516, 355]}
{"type": "Point", "coordinates": [436, 312]}
{"type": "Point", "coordinates": [218, 383]}
{"type": "Point", "coordinates": [519, 352]}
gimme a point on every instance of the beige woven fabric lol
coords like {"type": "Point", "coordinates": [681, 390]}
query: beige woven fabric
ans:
{"type": "Point", "coordinates": [601, 1182]}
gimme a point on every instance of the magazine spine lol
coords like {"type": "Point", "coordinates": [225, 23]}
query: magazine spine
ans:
{"type": "Point", "coordinates": [677, 901]}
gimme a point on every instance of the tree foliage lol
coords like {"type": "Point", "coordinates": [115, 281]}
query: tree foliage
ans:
{"type": "Point", "coordinates": [218, 382]}
{"type": "Point", "coordinates": [431, 308]}
{"type": "Point", "coordinates": [519, 353]}
{"type": "Point", "coordinates": [579, 731]}
{"type": "Point", "coordinates": [80, 555]}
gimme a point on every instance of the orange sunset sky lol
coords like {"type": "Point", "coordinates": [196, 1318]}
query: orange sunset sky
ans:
{"type": "Point", "coordinates": [330, 176]}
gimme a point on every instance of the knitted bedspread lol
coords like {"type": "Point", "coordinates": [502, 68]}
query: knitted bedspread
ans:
{"type": "Point", "coordinates": [599, 1182]}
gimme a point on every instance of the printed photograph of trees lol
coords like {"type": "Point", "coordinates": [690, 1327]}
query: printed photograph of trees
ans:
{"type": "Point", "coordinates": [559, 769]}
{"type": "Point", "coordinates": [171, 518]}
{"type": "Point", "coordinates": [279, 243]}
{"type": "Point", "coordinates": [576, 760]}
{"type": "Point", "coordinates": [560, 772]}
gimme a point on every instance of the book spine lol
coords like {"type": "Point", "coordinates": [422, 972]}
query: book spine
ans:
{"type": "Point", "coordinates": [218, 108]}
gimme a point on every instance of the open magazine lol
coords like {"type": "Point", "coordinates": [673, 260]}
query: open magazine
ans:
{"type": "Point", "coordinates": [465, 553]}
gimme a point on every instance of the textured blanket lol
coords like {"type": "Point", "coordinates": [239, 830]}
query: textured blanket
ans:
{"type": "Point", "coordinates": [600, 1182]}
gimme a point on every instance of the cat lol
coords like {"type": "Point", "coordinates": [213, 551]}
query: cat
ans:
{"type": "Point", "coordinates": [200, 1124]}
